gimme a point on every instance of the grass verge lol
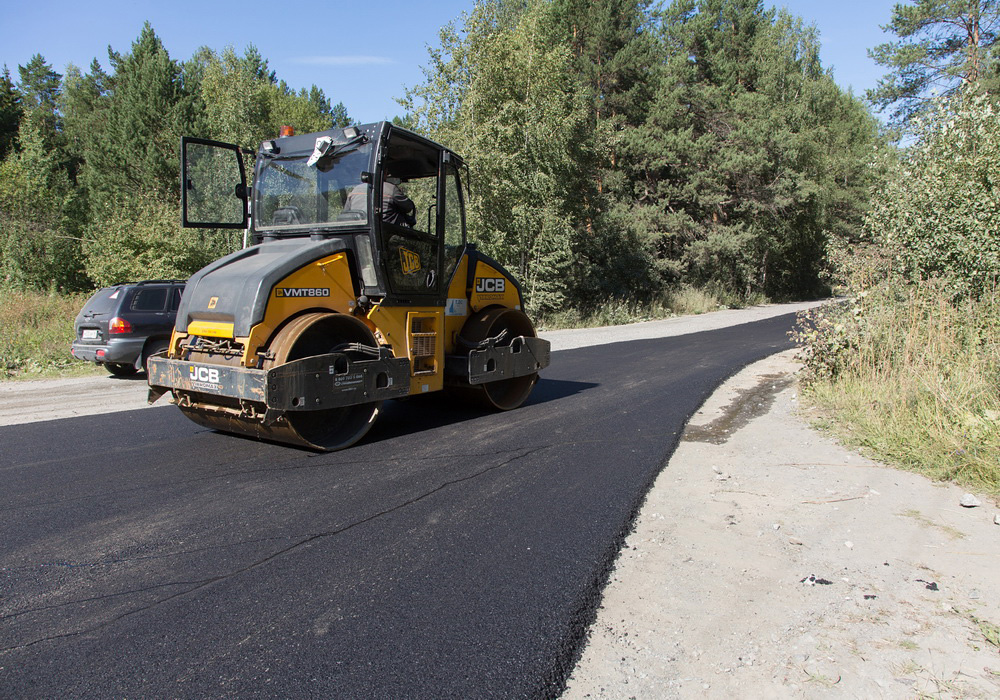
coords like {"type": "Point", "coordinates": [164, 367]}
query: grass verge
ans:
{"type": "Point", "coordinates": [684, 301]}
{"type": "Point", "coordinates": [36, 330]}
{"type": "Point", "coordinates": [912, 377]}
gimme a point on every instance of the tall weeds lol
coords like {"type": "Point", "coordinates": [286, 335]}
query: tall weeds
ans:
{"type": "Point", "coordinates": [36, 330]}
{"type": "Point", "coordinates": [913, 375]}
{"type": "Point", "coordinates": [683, 301]}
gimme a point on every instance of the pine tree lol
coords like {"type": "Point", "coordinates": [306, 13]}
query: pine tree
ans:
{"type": "Point", "coordinates": [40, 87]}
{"type": "Point", "coordinates": [41, 213]}
{"type": "Point", "coordinates": [80, 105]}
{"type": "Point", "coordinates": [339, 115]}
{"type": "Point", "coordinates": [614, 53]}
{"type": "Point", "coordinates": [943, 45]}
{"type": "Point", "coordinates": [734, 169]}
{"type": "Point", "coordinates": [10, 113]}
{"type": "Point", "coordinates": [142, 116]}
{"type": "Point", "coordinates": [131, 162]}
{"type": "Point", "coordinates": [39, 84]}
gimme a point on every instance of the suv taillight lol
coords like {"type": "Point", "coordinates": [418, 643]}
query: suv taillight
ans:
{"type": "Point", "coordinates": [119, 325]}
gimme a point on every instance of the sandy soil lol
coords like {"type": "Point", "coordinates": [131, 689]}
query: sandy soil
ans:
{"type": "Point", "coordinates": [768, 561]}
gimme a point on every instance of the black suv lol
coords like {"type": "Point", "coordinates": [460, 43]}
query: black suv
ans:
{"type": "Point", "coordinates": [121, 326]}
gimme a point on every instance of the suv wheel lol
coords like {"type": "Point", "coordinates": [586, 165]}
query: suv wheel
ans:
{"type": "Point", "coordinates": [150, 350]}
{"type": "Point", "coordinates": [120, 369]}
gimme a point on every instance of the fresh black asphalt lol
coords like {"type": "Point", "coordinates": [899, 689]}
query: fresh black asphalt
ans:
{"type": "Point", "coordinates": [453, 553]}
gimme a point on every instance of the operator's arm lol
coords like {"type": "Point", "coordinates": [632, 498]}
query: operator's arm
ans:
{"type": "Point", "coordinates": [397, 207]}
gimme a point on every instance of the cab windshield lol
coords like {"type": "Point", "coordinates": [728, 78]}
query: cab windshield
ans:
{"type": "Point", "coordinates": [291, 193]}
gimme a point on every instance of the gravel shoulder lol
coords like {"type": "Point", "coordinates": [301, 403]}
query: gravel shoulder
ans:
{"type": "Point", "coordinates": [31, 401]}
{"type": "Point", "coordinates": [769, 561]}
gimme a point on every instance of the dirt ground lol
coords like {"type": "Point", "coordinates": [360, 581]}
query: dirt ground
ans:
{"type": "Point", "coordinates": [48, 399]}
{"type": "Point", "coordinates": [770, 562]}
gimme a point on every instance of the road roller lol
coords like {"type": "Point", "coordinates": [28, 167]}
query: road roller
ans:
{"type": "Point", "coordinates": [355, 285]}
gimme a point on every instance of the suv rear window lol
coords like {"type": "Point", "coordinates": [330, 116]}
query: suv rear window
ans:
{"type": "Point", "coordinates": [104, 301]}
{"type": "Point", "coordinates": [147, 299]}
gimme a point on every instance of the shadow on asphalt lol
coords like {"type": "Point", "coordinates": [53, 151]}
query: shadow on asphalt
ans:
{"type": "Point", "coordinates": [400, 418]}
{"type": "Point", "coordinates": [419, 413]}
{"type": "Point", "coordinates": [553, 389]}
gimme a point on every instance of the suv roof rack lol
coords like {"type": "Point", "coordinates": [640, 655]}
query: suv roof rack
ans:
{"type": "Point", "coordinates": [161, 282]}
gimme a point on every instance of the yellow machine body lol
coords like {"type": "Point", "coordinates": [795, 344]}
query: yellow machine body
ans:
{"type": "Point", "coordinates": [341, 304]}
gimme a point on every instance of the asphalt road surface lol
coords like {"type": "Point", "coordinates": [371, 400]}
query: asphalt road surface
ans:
{"type": "Point", "coordinates": [453, 553]}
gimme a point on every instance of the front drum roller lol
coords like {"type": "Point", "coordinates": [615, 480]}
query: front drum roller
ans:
{"type": "Point", "coordinates": [506, 394]}
{"type": "Point", "coordinates": [326, 429]}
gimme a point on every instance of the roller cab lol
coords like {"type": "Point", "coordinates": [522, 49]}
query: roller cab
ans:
{"type": "Point", "coordinates": [356, 285]}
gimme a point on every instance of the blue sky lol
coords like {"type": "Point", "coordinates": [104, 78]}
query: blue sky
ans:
{"type": "Point", "coordinates": [363, 54]}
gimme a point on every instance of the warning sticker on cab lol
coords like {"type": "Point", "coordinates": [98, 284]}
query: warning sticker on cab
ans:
{"type": "Point", "coordinates": [457, 307]}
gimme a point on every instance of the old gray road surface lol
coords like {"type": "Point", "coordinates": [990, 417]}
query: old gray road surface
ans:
{"type": "Point", "coordinates": [452, 553]}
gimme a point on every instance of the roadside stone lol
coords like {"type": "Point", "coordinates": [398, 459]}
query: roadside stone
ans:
{"type": "Point", "coordinates": [970, 501]}
{"type": "Point", "coordinates": [996, 519]}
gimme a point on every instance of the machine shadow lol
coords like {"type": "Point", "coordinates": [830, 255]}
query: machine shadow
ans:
{"type": "Point", "coordinates": [418, 413]}
{"type": "Point", "coordinates": [554, 389]}
{"type": "Point", "coordinates": [414, 414]}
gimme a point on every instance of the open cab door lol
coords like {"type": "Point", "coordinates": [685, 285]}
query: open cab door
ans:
{"type": "Point", "coordinates": [213, 185]}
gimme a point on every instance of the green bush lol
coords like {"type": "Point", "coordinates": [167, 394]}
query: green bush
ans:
{"type": "Point", "coordinates": [939, 211]}
{"type": "Point", "coordinates": [142, 239]}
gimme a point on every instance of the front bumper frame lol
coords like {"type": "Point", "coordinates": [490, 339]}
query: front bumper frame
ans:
{"type": "Point", "coordinates": [312, 383]}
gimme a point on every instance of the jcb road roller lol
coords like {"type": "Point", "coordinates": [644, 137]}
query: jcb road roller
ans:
{"type": "Point", "coordinates": [355, 285]}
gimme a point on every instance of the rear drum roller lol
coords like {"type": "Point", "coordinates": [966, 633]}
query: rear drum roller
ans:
{"type": "Point", "coordinates": [326, 429]}
{"type": "Point", "coordinates": [506, 394]}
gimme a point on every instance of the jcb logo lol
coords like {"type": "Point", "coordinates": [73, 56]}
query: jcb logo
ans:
{"type": "Point", "coordinates": [408, 261]}
{"type": "Point", "coordinates": [204, 374]}
{"type": "Point", "coordinates": [491, 285]}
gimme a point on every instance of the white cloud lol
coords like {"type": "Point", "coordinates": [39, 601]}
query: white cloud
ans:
{"type": "Point", "coordinates": [342, 60]}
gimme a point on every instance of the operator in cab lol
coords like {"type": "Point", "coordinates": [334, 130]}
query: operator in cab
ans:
{"type": "Point", "coordinates": [397, 208]}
